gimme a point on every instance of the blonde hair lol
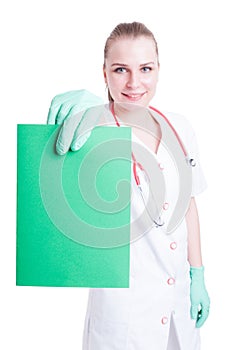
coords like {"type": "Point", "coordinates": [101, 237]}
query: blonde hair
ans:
{"type": "Point", "coordinates": [128, 30]}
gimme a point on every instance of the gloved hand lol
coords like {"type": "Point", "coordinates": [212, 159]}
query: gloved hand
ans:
{"type": "Point", "coordinates": [200, 301]}
{"type": "Point", "coordinates": [74, 110]}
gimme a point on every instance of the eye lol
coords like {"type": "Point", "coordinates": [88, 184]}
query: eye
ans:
{"type": "Point", "coordinates": [120, 70]}
{"type": "Point", "coordinates": [146, 69]}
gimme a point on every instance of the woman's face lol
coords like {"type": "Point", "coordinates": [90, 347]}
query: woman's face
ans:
{"type": "Point", "coordinates": [131, 70]}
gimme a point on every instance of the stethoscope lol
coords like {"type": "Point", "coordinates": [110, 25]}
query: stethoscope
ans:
{"type": "Point", "coordinates": [156, 219]}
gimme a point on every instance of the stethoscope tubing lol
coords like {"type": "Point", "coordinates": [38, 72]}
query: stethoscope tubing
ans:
{"type": "Point", "coordinates": [190, 161]}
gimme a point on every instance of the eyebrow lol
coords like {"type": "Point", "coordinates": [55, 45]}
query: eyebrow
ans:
{"type": "Point", "coordinates": [126, 65]}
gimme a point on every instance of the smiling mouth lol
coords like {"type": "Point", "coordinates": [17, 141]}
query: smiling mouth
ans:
{"type": "Point", "coordinates": [133, 97]}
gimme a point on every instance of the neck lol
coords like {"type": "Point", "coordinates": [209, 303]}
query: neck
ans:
{"type": "Point", "coordinates": [132, 115]}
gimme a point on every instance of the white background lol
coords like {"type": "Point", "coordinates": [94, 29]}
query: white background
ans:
{"type": "Point", "coordinates": [48, 47]}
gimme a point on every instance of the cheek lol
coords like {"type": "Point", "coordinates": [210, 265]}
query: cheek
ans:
{"type": "Point", "coordinates": [116, 83]}
{"type": "Point", "coordinates": [151, 82]}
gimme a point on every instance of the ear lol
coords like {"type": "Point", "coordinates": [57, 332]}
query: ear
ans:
{"type": "Point", "coordinates": [158, 71]}
{"type": "Point", "coordinates": [105, 75]}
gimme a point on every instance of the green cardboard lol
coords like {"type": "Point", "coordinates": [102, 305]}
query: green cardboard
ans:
{"type": "Point", "coordinates": [73, 211]}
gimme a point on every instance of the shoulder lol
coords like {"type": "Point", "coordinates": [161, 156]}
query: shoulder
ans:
{"type": "Point", "coordinates": [181, 124]}
{"type": "Point", "coordinates": [178, 121]}
{"type": "Point", "coordinates": [187, 135]}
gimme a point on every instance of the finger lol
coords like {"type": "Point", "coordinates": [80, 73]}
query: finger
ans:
{"type": "Point", "coordinates": [57, 102]}
{"type": "Point", "coordinates": [203, 315]}
{"type": "Point", "coordinates": [79, 137]}
{"type": "Point", "coordinates": [69, 108]}
{"type": "Point", "coordinates": [53, 111]}
{"type": "Point", "coordinates": [66, 133]}
{"type": "Point", "coordinates": [89, 120]}
{"type": "Point", "coordinates": [194, 311]}
{"type": "Point", "coordinates": [80, 141]}
{"type": "Point", "coordinates": [65, 111]}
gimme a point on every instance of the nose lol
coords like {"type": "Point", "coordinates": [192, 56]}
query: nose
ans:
{"type": "Point", "coordinates": [133, 80]}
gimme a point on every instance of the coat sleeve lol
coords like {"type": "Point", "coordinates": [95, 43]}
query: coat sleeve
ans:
{"type": "Point", "coordinates": [199, 183]}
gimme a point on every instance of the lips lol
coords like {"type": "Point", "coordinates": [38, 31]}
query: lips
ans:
{"type": "Point", "coordinates": [133, 96]}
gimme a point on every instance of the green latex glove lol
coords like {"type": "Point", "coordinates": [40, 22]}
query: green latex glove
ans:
{"type": "Point", "coordinates": [200, 301]}
{"type": "Point", "coordinates": [74, 109]}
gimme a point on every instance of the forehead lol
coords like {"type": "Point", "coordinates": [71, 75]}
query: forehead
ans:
{"type": "Point", "coordinates": [128, 49]}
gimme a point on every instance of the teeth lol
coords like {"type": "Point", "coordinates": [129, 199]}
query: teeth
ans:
{"type": "Point", "coordinates": [134, 95]}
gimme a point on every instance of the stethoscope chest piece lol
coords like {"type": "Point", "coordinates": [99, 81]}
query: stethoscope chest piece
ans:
{"type": "Point", "coordinates": [159, 222]}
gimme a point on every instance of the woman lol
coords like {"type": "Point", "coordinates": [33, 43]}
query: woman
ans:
{"type": "Point", "coordinates": [161, 309]}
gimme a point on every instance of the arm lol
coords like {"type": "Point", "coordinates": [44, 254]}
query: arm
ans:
{"type": "Point", "coordinates": [194, 241]}
{"type": "Point", "coordinates": [200, 301]}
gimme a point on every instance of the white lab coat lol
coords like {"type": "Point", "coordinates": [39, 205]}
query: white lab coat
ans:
{"type": "Point", "coordinates": [154, 312]}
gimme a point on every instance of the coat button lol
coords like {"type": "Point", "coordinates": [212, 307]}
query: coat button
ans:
{"type": "Point", "coordinates": [164, 320]}
{"type": "Point", "coordinates": [161, 166]}
{"type": "Point", "coordinates": [170, 281]}
{"type": "Point", "coordinates": [165, 206]}
{"type": "Point", "coordinates": [173, 245]}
